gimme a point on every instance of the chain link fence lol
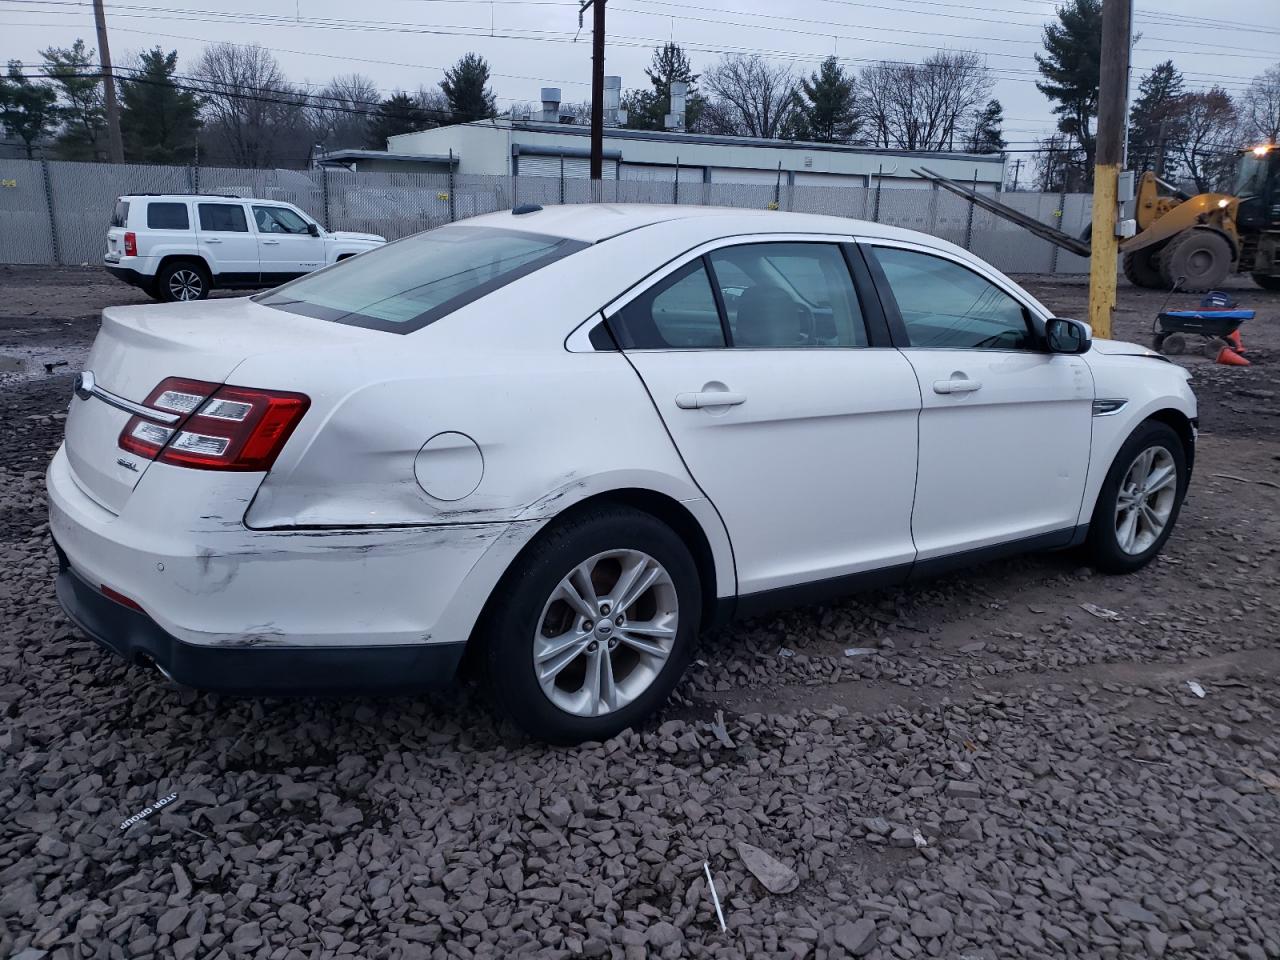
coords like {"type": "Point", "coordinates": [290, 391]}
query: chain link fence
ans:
{"type": "Point", "coordinates": [56, 212]}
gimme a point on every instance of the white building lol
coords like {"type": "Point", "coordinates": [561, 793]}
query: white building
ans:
{"type": "Point", "coordinates": [547, 148]}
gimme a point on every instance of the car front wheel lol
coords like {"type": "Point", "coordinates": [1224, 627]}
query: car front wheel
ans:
{"type": "Point", "coordinates": [592, 628]}
{"type": "Point", "coordinates": [1140, 499]}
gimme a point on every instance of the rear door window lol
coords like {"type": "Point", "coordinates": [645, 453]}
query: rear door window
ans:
{"type": "Point", "coordinates": [223, 218]}
{"type": "Point", "coordinates": [406, 285]}
{"type": "Point", "coordinates": [677, 313]}
{"type": "Point", "coordinates": [120, 215]}
{"type": "Point", "coordinates": [168, 216]}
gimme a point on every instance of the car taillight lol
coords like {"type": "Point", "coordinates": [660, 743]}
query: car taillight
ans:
{"type": "Point", "coordinates": [219, 427]}
{"type": "Point", "coordinates": [130, 244]}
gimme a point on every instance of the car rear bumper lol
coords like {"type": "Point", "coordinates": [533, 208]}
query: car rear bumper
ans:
{"type": "Point", "coordinates": [252, 669]}
{"type": "Point", "coordinates": [129, 275]}
{"type": "Point", "coordinates": [285, 611]}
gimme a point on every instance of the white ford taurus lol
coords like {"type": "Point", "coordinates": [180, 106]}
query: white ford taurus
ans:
{"type": "Point", "coordinates": [563, 441]}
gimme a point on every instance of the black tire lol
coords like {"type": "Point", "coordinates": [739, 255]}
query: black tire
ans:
{"type": "Point", "coordinates": [1103, 545]}
{"type": "Point", "coordinates": [1142, 268]}
{"type": "Point", "coordinates": [1195, 261]}
{"type": "Point", "coordinates": [514, 615]}
{"type": "Point", "coordinates": [1265, 282]}
{"type": "Point", "coordinates": [182, 280]}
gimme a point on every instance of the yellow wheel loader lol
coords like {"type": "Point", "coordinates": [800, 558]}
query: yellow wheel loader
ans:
{"type": "Point", "coordinates": [1191, 243]}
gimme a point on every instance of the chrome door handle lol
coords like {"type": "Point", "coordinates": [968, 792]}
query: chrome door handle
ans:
{"type": "Point", "coordinates": [956, 386]}
{"type": "Point", "coordinates": [271, 241]}
{"type": "Point", "coordinates": [212, 240]}
{"type": "Point", "coordinates": [709, 398]}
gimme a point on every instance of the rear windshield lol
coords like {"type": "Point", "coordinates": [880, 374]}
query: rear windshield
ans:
{"type": "Point", "coordinates": [120, 215]}
{"type": "Point", "coordinates": [406, 285]}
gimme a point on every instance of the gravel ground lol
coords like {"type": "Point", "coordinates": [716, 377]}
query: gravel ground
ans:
{"type": "Point", "coordinates": [997, 771]}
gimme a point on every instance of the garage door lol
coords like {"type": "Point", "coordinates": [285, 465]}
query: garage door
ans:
{"type": "Point", "coordinates": [574, 167]}
{"type": "Point", "coordinates": [804, 179]}
{"type": "Point", "coordinates": [745, 175]}
{"type": "Point", "coordinates": [660, 174]}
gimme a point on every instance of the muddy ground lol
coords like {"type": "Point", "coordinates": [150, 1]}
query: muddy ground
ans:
{"type": "Point", "coordinates": [998, 772]}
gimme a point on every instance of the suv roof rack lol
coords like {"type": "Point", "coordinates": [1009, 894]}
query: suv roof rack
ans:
{"type": "Point", "coordinates": [223, 196]}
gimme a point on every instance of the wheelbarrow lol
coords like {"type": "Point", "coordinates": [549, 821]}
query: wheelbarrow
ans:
{"type": "Point", "coordinates": [1215, 322]}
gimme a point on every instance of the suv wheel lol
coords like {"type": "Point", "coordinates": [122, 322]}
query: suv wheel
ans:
{"type": "Point", "coordinates": [182, 280]}
{"type": "Point", "coordinates": [592, 628]}
{"type": "Point", "coordinates": [1139, 501]}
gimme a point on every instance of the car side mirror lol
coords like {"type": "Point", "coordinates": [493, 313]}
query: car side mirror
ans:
{"type": "Point", "coordinates": [313, 229]}
{"type": "Point", "coordinates": [1068, 336]}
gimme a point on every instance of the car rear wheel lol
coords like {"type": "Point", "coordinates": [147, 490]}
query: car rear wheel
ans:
{"type": "Point", "coordinates": [1140, 499]}
{"type": "Point", "coordinates": [591, 629]}
{"type": "Point", "coordinates": [182, 280]}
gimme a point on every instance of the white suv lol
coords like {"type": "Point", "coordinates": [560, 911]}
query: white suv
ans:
{"type": "Point", "coordinates": [179, 247]}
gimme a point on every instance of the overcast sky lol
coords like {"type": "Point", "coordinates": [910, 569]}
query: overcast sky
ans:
{"type": "Point", "coordinates": [530, 43]}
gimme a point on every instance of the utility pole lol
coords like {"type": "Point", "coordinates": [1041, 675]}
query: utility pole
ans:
{"type": "Point", "coordinates": [115, 146]}
{"type": "Point", "coordinates": [1017, 168]}
{"type": "Point", "coordinates": [1108, 157]}
{"type": "Point", "coordinates": [597, 91]}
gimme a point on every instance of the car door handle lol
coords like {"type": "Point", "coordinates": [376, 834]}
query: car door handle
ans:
{"type": "Point", "coordinates": [958, 385]}
{"type": "Point", "coordinates": [271, 241]}
{"type": "Point", "coordinates": [709, 398]}
{"type": "Point", "coordinates": [212, 240]}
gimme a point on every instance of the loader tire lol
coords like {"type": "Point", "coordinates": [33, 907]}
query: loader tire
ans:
{"type": "Point", "coordinates": [1265, 282]}
{"type": "Point", "coordinates": [1142, 267]}
{"type": "Point", "coordinates": [1195, 261]}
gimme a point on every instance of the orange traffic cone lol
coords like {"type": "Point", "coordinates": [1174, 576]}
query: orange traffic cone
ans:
{"type": "Point", "coordinates": [1236, 343]}
{"type": "Point", "coordinates": [1230, 358]}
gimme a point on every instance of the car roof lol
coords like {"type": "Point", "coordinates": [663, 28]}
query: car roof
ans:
{"type": "Point", "coordinates": [599, 221]}
{"type": "Point", "coordinates": [194, 196]}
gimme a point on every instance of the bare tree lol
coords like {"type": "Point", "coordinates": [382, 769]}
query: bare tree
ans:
{"type": "Point", "coordinates": [1207, 123]}
{"type": "Point", "coordinates": [434, 105]}
{"type": "Point", "coordinates": [1260, 108]}
{"type": "Point", "coordinates": [923, 106]}
{"type": "Point", "coordinates": [254, 117]}
{"type": "Point", "coordinates": [751, 95]}
{"type": "Point", "coordinates": [339, 113]}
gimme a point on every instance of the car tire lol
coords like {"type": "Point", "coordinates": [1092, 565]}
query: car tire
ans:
{"type": "Point", "coordinates": [1196, 260]}
{"type": "Point", "coordinates": [1266, 282]}
{"type": "Point", "coordinates": [182, 280]}
{"type": "Point", "coordinates": [1133, 518]}
{"type": "Point", "coordinates": [529, 617]}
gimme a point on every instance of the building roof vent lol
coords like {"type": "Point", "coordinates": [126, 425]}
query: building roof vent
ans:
{"type": "Point", "coordinates": [675, 119]}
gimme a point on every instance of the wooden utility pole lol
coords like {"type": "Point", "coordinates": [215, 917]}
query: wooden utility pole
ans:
{"type": "Point", "coordinates": [1113, 89]}
{"type": "Point", "coordinates": [115, 146]}
{"type": "Point", "coordinates": [597, 89]}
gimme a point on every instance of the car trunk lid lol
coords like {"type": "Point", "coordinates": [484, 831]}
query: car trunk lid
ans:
{"type": "Point", "coordinates": [138, 347]}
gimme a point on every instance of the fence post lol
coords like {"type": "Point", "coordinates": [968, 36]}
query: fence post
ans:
{"type": "Point", "coordinates": [675, 189]}
{"type": "Point", "coordinates": [453, 205]}
{"type": "Point", "coordinates": [324, 194]}
{"type": "Point", "coordinates": [193, 179]}
{"type": "Point", "coordinates": [1059, 216]}
{"type": "Point", "coordinates": [968, 227]}
{"type": "Point", "coordinates": [53, 220]}
{"type": "Point", "coordinates": [562, 179]}
{"type": "Point", "coordinates": [879, 183]}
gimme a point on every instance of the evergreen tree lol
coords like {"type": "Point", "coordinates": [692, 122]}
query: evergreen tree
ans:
{"type": "Point", "coordinates": [1154, 127]}
{"type": "Point", "coordinates": [82, 108]}
{"type": "Point", "coordinates": [1071, 67]}
{"type": "Point", "coordinates": [399, 113]}
{"type": "Point", "coordinates": [647, 109]}
{"type": "Point", "coordinates": [987, 135]}
{"type": "Point", "coordinates": [466, 84]}
{"type": "Point", "coordinates": [159, 121]}
{"type": "Point", "coordinates": [828, 111]}
{"type": "Point", "coordinates": [27, 110]}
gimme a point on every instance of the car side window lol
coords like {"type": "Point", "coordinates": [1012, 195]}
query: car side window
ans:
{"type": "Point", "coordinates": [278, 220]}
{"type": "Point", "coordinates": [789, 295]}
{"type": "Point", "coordinates": [946, 305]}
{"type": "Point", "coordinates": [678, 312]}
{"type": "Point", "coordinates": [168, 216]}
{"type": "Point", "coordinates": [223, 217]}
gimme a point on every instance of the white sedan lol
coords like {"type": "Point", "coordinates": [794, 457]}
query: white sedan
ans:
{"type": "Point", "coordinates": [564, 441]}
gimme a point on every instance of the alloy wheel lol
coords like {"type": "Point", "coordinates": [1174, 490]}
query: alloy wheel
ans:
{"type": "Point", "coordinates": [606, 632]}
{"type": "Point", "coordinates": [1146, 499]}
{"type": "Point", "coordinates": [186, 285]}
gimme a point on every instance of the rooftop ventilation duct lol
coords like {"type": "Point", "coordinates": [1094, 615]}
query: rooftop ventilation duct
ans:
{"type": "Point", "coordinates": [675, 119]}
{"type": "Point", "coordinates": [551, 104]}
